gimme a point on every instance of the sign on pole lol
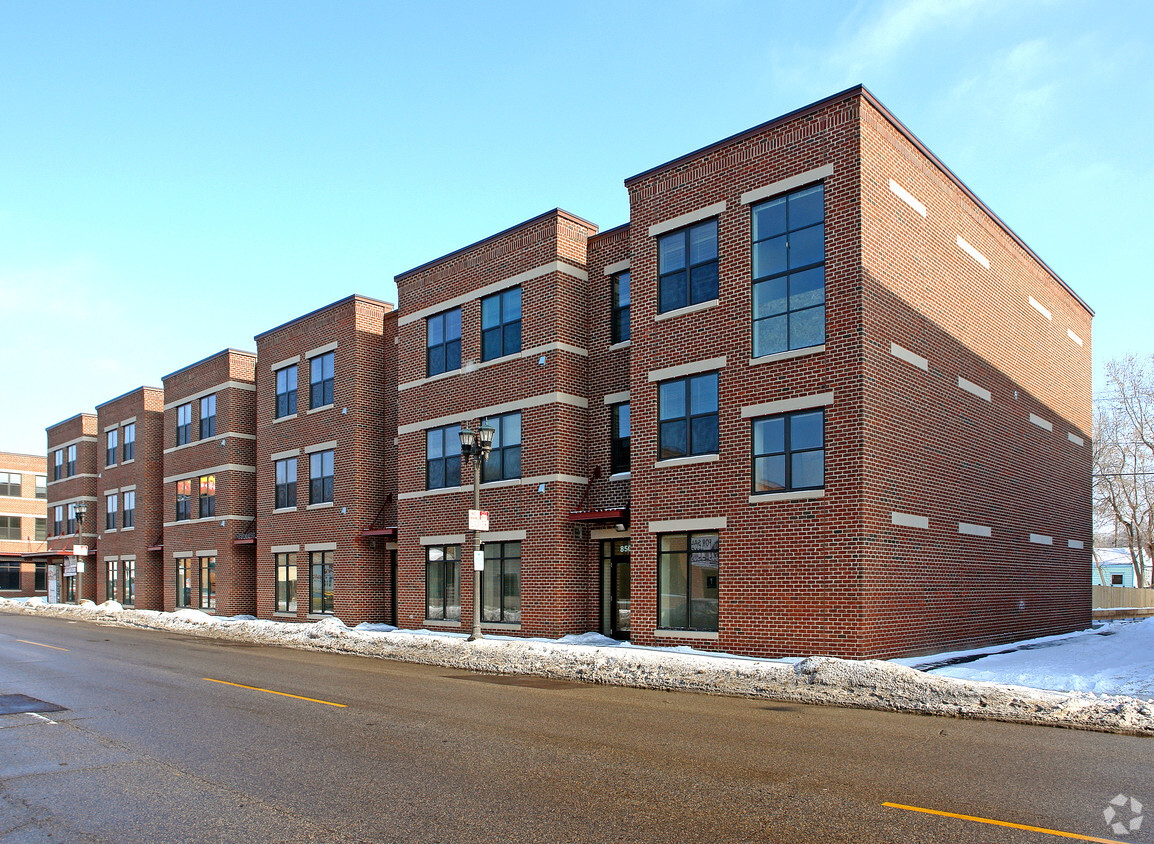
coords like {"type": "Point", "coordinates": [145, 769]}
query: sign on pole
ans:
{"type": "Point", "coordinates": [70, 567]}
{"type": "Point", "coordinates": [478, 561]}
{"type": "Point", "coordinates": [80, 550]}
{"type": "Point", "coordinates": [478, 520]}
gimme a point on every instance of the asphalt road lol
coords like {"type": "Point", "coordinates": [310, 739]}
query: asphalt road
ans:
{"type": "Point", "coordinates": [149, 748]}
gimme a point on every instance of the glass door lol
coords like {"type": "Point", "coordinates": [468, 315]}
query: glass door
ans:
{"type": "Point", "coordinates": [615, 585]}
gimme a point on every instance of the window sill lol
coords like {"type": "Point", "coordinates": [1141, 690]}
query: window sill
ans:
{"type": "Point", "coordinates": [440, 622]}
{"type": "Point", "coordinates": [791, 495]}
{"type": "Point", "coordinates": [292, 509]}
{"type": "Point", "coordinates": [424, 493]}
{"type": "Point", "coordinates": [126, 462]}
{"type": "Point", "coordinates": [500, 484]}
{"type": "Point", "coordinates": [127, 529]}
{"type": "Point", "coordinates": [624, 344]}
{"type": "Point", "coordinates": [322, 506]}
{"type": "Point", "coordinates": [110, 465]}
{"type": "Point", "coordinates": [686, 461]}
{"type": "Point", "coordinates": [110, 530]}
{"type": "Point", "coordinates": [688, 309]}
{"type": "Point", "coordinates": [496, 626]}
{"type": "Point", "coordinates": [320, 616]}
{"type": "Point", "coordinates": [319, 409]}
{"type": "Point", "coordinates": [284, 418]}
{"type": "Point", "coordinates": [284, 615]}
{"type": "Point", "coordinates": [704, 635]}
{"type": "Point", "coordinates": [788, 355]}
{"type": "Point", "coordinates": [620, 476]}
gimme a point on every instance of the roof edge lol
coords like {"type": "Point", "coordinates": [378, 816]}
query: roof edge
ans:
{"type": "Point", "coordinates": [79, 415]}
{"type": "Point", "coordinates": [354, 297]}
{"type": "Point", "coordinates": [213, 356]}
{"type": "Point", "coordinates": [140, 389]}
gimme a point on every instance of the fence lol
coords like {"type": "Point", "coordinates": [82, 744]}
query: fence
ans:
{"type": "Point", "coordinates": [1123, 596]}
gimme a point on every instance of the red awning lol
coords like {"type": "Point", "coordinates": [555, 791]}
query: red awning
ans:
{"type": "Point", "coordinates": [388, 532]}
{"type": "Point", "coordinates": [597, 516]}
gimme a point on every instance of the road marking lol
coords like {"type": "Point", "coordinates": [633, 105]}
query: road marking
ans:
{"type": "Point", "coordinates": [41, 717]}
{"type": "Point", "coordinates": [271, 692]}
{"type": "Point", "coordinates": [1057, 832]}
{"type": "Point", "coordinates": [38, 644]}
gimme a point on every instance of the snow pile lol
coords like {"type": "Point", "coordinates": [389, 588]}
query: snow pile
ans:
{"type": "Point", "coordinates": [592, 658]}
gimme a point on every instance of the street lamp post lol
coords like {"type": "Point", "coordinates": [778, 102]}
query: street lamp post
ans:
{"type": "Point", "coordinates": [475, 446]}
{"type": "Point", "coordinates": [81, 510]}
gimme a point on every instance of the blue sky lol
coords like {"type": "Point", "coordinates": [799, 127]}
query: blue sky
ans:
{"type": "Point", "coordinates": [160, 160]}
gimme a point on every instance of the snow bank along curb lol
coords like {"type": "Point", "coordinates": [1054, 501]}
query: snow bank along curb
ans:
{"type": "Point", "coordinates": [869, 684]}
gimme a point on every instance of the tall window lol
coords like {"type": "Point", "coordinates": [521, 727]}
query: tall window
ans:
{"type": "Point", "coordinates": [208, 417]}
{"type": "Point", "coordinates": [321, 582]}
{"type": "Point", "coordinates": [501, 324]}
{"type": "Point", "coordinates": [621, 307]}
{"type": "Point", "coordinates": [286, 582]}
{"type": "Point", "coordinates": [57, 464]}
{"type": "Point", "coordinates": [71, 460]}
{"type": "Point", "coordinates": [10, 483]}
{"type": "Point", "coordinates": [789, 452]}
{"type": "Point", "coordinates": [110, 508]}
{"type": "Point", "coordinates": [443, 457]}
{"type": "Point", "coordinates": [619, 455]}
{"type": "Point", "coordinates": [687, 266]}
{"type": "Point", "coordinates": [72, 522]}
{"type": "Point", "coordinates": [687, 573]}
{"type": "Point", "coordinates": [321, 380]}
{"type": "Point", "coordinates": [183, 582]}
{"type": "Point", "coordinates": [58, 520]}
{"type": "Point", "coordinates": [110, 450]}
{"type": "Point", "coordinates": [41, 529]}
{"type": "Point", "coordinates": [687, 416]}
{"type": "Point", "coordinates": [129, 582]}
{"type": "Point", "coordinates": [41, 581]}
{"type": "Point", "coordinates": [184, 424]}
{"type": "Point", "coordinates": [321, 477]}
{"type": "Point", "coordinates": [504, 462]}
{"type": "Point", "coordinates": [443, 582]}
{"type": "Point", "coordinates": [128, 515]}
{"type": "Point", "coordinates": [286, 483]}
{"type": "Point", "coordinates": [501, 583]}
{"type": "Point", "coordinates": [208, 583]}
{"type": "Point", "coordinates": [184, 499]}
{"type": "Point", "coordinates": [41, 486]}
{"type": "Point", "coordinates": [443, 342]}
{"type": "Point", "coordinates": [207, 497]}
{"type": "Point", "coordinates": [129, 441]}
{"type": "Point", "coordinates": [10, 527]}
{"type": "Point", "coordinates": [789, 272]}
{"type": "Point", "coordinates": [9, 575]}
{"type": "Point", "coordinates": [286, 391]}
{"type": "Point", "coordinates": [111, 584]}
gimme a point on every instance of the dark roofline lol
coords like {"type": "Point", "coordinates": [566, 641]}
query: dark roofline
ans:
{"type": "Point", "coordinates": [864, 93]}
{"type": "Point", "coordinates": [355, 297]}
{"type": "Point", "coordinates": [610, 231]}
{"type": "Point", "coordinates": [502, 233]}
{"type": "Point", "coordinates": [213, 356]}
{"type": "Point", "coordinates": [69, 419]}
{"type": "Point", "coordinates": [129, 393]}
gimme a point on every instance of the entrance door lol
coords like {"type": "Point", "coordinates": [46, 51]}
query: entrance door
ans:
{"type": "Point", "coordinates": [615, 588]}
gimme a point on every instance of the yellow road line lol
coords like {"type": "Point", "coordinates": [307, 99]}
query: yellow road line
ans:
{"type": "Point", "coordinates": [1057, 832]}
{"type": "Point", "coordinates": [271, 692]}
{"type": "Point", "coordinates": [38, 644]}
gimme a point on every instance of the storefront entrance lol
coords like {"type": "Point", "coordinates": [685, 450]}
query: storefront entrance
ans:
{"type": "Point", "coordinates": [615, 588]}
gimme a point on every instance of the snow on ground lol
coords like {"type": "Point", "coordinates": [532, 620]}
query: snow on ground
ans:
{"type": "Point", "coordinates": [1095, 667]}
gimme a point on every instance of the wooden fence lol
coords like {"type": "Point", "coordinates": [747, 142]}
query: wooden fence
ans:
{"type": "Point", "coordinates": [1123, 596]}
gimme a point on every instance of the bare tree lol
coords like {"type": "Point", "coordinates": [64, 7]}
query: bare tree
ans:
{"type": "Point", "coordinates": [1124, 459]}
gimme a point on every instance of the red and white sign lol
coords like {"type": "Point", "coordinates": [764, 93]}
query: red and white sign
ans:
{"type": "Point", "coordinates": [478, 520]}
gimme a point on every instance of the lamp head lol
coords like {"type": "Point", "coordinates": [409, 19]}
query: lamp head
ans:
{"type": "Point", "coordinates": [467, 436]}
{"type": "Point", "coordinates": [485, 434]}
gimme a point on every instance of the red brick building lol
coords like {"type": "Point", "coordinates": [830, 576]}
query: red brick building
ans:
{"type": "Point", "coordinates": [72, 477]}
{"type": "Point", "coordinates": [23, 524]}
{"type": "Point", "coordinates": [128, 512]}
{"type": "Point", "coordinates": [209, 485]}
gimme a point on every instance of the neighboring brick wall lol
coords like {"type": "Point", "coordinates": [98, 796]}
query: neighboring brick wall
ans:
{"type": "Point", "coordinates": [81, 431]}
{"type": "Point", "coordinates": [27, 508]}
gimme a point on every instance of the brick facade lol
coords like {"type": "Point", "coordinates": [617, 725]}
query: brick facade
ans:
{"type": "Point", "coordinates": [71, 481]}
{"type": "Point", "coordinates": [23, 511]}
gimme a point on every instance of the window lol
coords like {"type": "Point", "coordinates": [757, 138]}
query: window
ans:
{"type": "Point", "coordinates": [321, 477]}
{"type": "Point", "coordinates": [1117, 580]}
{"type": "Point", "coordinates": [110, 450]}
{"type": "Point", "coordinates": [128, 514]}
{"type": "Point", "coordinates": [183, 499]}
{"type": "Point", "coordinates": [286, 483]}
{"type": "Point", "coordinates": [687, 266]}
{"type": "Point", "coordinates": [41, 582]}
{"type": "Point", "coordinates": [183, 583]}
{"type": "Point", "coordinates": [443, 457]}
{"type": "Point", "coordinates": [687, 416]}
{"type": "Point", "coordinates": [621, 307]}
{"type": "Point", "coordinates": [208, 583]}
{"type": "Point", "coordinates": [110, 508]}
{"type": "Point", "coordinates": [504, 461]}
{"type": "Point", "coordinates": [443, 582]}
{"type": "Point", "coordinates": [9, 527]}
{"type": "Point", "coordinates": [443, 342]}
{"type": "Point", "coordinates": [207, 496]}
{"type": "Point", "coordinates": [9, 575]}
{"type": "Point", "coordinates": [501, 583]}
{"type": "Point", "coordinates": [619, 453]}
{"type": "Point", "coordinates": [10, 484]}
{"type": "Point", "coordinates": [72, 523]}
{"type": "Point", "coordinates": [130, 442]}
{"type": "Point", "coordinates": [71, 460]}
{"type": "Point", "coordinates": [321, 380]}
{"type": "Point", "coordinates": [41, 486]}
{"type": "Point", "coordinates": [789, 452]}
{"type": "Point", "coordinates": [687, 572]}
{"type": "Point", "coordinates": [286, 391]}
{"type": "Point", "coordinates": [286, 582]}
{"type": "Point", "coordinates": [129, 582]}
{"type": "Point", "coordinates": [41, 529]}
{"type": "Point", "coordinates": [321, 582]}
{"type": "Point", "coordinates": [788, 243]}
{"type": "Point", "coordinates": [57, 465]}
{"type": "Point", "coordinates": [110, 581]}
{"type": "Point", "coordinates": [183, 424]}
{"type": "Point", "coordinates": [58, 520]}
{"type": "Point", "coordinates": [501, 324]}
{"type": "Point", "coordinates": [208, 417]}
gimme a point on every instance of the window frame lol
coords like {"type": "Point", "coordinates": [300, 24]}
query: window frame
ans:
{"type": "Point", "coordinates": [787, 453]}
{"type": "Point", "coordinates": [449, 460]}
{"type": "Point", "coordinates": [501, 451]}
{"type": "Point", "coordinates": [284, 489]}
{"type": "Point", "coordinates": [322, 386]}
{"type": "Point", "coordinates": [111, 579]}
{"type": "Point", "coordinates": [688, 267]}
{"type": "Point", "coordinates": [449, 563]}
{"type": "Point", "coordinates": [206, 497]}
{"type": "Point", "coordinates": [321, 486]}
{"type": "Point", "coordinates": [206, 424]}
{"type": "Point", "coordinates": [128, 448]}
{"type": "Point", "coordinates": [504, 324]}
{"type": "Point", "coordinates": [71, 463]}
{"type": "Point", "coordinates": [619, 446]}
{"type": "Point", "coordinates": [11, 528]}
{"type": "Point", "coordinates": [449, 347]}
{"type": "Point", "coordinates": [58, 520]}
{"type": "Point", "coordinates": [689, 416]}
{"type": "Point", "coordinates": [184, 423]}
{"type": "Point", "coordinates": [183, 582]}
{"type": "Point", "coordinates": [662, 586]}
{"type": "Point", "coordinates": [112, 443]}
{"type": "Point", "coordinates": [10, 575]}
{"type": "Point", "coordinates": [128, 513]}
{"type": "Point", "coordinates": [184, 513]}
{"type": "Point", "coordinates": [40, 528]}
{"type": "Point", "coordinates": [285, 590]}
{"type": "Point", "coordinates": [58, 464]}
{"type": "Point", "coordinates": [285, 400]}
{"type": "Point", "coordinates": [42, 486]}
{"type": "Point", "coordinates": [321, 562]}
{"type": "Point", "coordinates": [111, 506]}
{"type": "Point", "coordinates": [128, 581]}
{"type": "Point", "coordinates": [207, 582]}
{"type": "Point", "coordinates": [10, 488]}
{"type": "Point", "coordinates": [619, 325]}
{"type": "Point", "coordinates": [503, 559]}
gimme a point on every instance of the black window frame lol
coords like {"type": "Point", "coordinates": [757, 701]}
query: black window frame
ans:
{"type": "Point", "coordinates": [321, 485]}
{"type": "Point", "coordinates": [207, 422]}
{"type": "Point", "coordinates": [10, 575]}
{"type": "Point", "coordinates": [688, 269]}
{"type": "Point", "coordinates": [449, 564]}
{"type": "Point", "coordinates": [128, 513]}
{"type": "Point", "coordinates": [445, 355]}
{"type": "Point", "coordinates": [128, 581]}
{"type": "Point", "coordinates": [787, 453]}
{"type": "Point", "coordinates": [447, 465]}
{"type": "Point", "coordinates": [111, 579]}
{"type": "Point", "coordinates": [285, 589]}
{"type": "Point", "coordinates": [206, 501]}
{"type": "Point", "coordinates": [708, 608]}
{"type": "Point", "coordinates": [71, 463]}
{"type": "Point", "coordinates": [207, 582]}
{"type": "Point", "coordinates": [184, 500]}
{"type": "Point", "coordinates": [184, 423]}
{"type": "Point", "coordinates": [619, 326]}
{"type": "Point", "coordinates": [10, 528]}
{"type": "Point", "coordinates": [58, 464]}
{"type": "Point", "coordinates": [11, 488]}
{"type": "Point", "coordinates": [788, 273]}
{"type": "Point", "coordinates": [502, 452]}
{"type": "Point", "coordinates": [71, 523]}
{"type": "Point", "coordinates": [285, 403]}
{"type": "Point", "coordinates": [40, 582]}
{"type": "Point", "coordinates": [618, 444]}
{"type": "Point", "coordinates": [507, 328]}
{"type": "Point", "coordinates": [111, 506]}
{"type": "Point", "coordinates": [498, 553]}
{"type": "Point", "coordinates": [320, 601]}
{"type": "Point", "coordinates": [284, 489]}
{"type": "Point", "coordinates": [128, 448]}
{"type": "Point", "coordinates": [667, 424]}
{"type": "Point", "coordinates": [58, 520]}
{"type": "Point", "coordinates": [321, 384]}
{"type": "Point", "coordinates": [112, 442]}
{"type": "Point", "coordinates": [184, 591]}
